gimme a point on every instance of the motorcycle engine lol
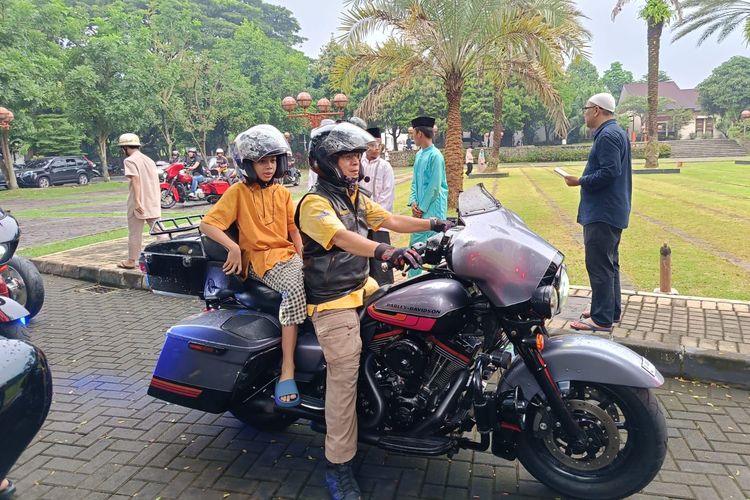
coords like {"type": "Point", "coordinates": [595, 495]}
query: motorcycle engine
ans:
{"type": "Point", "coordinates": [418, 373]}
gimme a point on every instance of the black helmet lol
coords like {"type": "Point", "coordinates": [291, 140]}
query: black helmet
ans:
{"type": "Point", "coordinates": [259, 142]}
{"type": "Point", "coordinates": [328, 142]}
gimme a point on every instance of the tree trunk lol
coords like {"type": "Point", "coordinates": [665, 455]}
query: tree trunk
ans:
{"type": "Point", "coordinates": [454, 89]}
{"type": "Point", "coordinates": [497, 127]}
{"type": "Point", "coordinates": [10, 174]}
{"type": "Point", "coordinates": [395, 133]}
{"type": "Point", "coordinates": [102, 142]}
{"type": "Point", "coordinates": [654, 39]}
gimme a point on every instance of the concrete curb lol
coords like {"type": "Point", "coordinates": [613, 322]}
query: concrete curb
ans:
{"type": "Point", "coordinates": [118, 278]}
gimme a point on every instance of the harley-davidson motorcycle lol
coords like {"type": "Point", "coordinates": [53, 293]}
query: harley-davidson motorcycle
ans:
{"type": "Point", "coordinates": [460, 349]}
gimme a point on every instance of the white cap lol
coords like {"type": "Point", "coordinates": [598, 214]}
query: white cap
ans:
{"type": "Point", "coordinates": [604, 101]}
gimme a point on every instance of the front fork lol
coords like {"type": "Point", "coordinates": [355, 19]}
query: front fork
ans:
{"type": "Point", "coordinates": [526, 347]}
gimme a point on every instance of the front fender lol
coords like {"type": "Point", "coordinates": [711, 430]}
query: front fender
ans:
{"type": "Point", "coordinates": [587, 359]}
{"type": "Point", "coordinates": [11, 309]}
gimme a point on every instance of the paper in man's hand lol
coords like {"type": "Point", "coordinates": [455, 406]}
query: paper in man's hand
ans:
{"type": "Point", "coordinates": [561, 172]}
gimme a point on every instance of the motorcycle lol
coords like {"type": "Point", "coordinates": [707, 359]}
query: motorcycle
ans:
{"type": "Point", "coordinates": [291, 177]}
{"type": "Point", "coordinates": [21, 285]}
{"type": "Point", "coordinates": [175, 187]}
{"type": "Point", "coordinates": [578, 411]}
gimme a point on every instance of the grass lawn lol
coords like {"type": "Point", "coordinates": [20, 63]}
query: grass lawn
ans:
{"type": "Point", "coordinates": [703, 213]}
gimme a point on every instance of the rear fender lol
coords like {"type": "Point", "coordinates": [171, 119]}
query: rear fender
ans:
{"type": "Point", "coordinates": [10, 310]}
{"type": "Point", "coordinates": [587, 359]}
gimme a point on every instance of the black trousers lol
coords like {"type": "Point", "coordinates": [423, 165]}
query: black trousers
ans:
{"type": "Point", "coordinates": [376, 266]}
{"type": "Point", "coordinates": [602, 243]}
{"type": "Point", "coordinates": [469, 168]}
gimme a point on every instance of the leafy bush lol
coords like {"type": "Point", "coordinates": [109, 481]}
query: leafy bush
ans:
{"type": "Point", "coordinates": [578, 152]}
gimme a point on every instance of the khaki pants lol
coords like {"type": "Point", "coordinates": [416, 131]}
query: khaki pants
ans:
{"type": "Point", "coordinates": [338, 335]}
{"type": "Point", "coordinates": [135, 235]}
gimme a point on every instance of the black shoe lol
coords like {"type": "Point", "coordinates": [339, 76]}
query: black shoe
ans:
{"type": "Point", "coordinates": [341, 483]}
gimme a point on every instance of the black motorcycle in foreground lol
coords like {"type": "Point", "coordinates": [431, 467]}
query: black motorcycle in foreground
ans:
{"type": "Point", "coordinates": [578, 411]}
{"type": "Point", "coordinates": [21, 285]}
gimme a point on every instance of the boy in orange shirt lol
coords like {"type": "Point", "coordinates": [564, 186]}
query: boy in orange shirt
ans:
{"type": "Point", "coordinates": [264, 214]}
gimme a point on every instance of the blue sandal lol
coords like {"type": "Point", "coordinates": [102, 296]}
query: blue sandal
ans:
{"type": "Point", "coordinates": [283, 388]}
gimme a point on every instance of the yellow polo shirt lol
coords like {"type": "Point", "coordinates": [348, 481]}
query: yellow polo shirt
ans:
{"type": "Point", "coordinates": [318, 220]}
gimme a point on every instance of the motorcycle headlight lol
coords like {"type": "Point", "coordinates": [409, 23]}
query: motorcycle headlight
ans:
{"type": "Point", "coordinates": [563, 288]}
{"type": "Point", "coordinates": [545, 301]}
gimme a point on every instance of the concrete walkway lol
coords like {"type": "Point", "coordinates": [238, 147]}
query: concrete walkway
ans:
{"type": "Point", "coordinates": [694, 337]}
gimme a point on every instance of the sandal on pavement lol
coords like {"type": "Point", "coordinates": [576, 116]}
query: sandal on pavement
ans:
{"type": "Point", "coordinates": [589, 326]}
{"type": "Point", "coordinates": [8, 491]}
{"type": "Point", "coordinates": [586, 314]}
{"type": "Point", "coordinates": [124, 265]}
{"type": "Point", "coordinates": [283, 388]}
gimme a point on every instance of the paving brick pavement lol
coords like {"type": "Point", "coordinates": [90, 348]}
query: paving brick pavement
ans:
{"type": "Point", "coordinates": [105, 438]}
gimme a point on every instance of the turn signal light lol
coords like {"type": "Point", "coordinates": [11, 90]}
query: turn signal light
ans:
{"type": "Point", "coordinates": [539, 341]}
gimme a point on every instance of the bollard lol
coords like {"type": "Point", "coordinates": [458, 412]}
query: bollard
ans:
{"type": "Point", "coordinates": [665, 269]}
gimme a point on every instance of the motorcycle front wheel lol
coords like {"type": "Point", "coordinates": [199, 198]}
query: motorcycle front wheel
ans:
{"type": "Point", "coordinates": [14, 331]}
{"type": "Point", "coordinates": [25, 284]}
{"type": "Point", "coordinates": [167, 198]}
{"type": "Point", "coordinates": [626, 442]}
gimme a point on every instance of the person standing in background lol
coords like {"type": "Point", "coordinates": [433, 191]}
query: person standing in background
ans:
{"type": "Point", "coordinates": [379, 181]}
{"type": "Point", "coordinates": [469, 161]}
{"type": "Point", "coordinates": [144, 195]}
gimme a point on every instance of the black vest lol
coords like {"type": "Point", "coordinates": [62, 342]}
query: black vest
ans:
{"type": "Point", "coordinates": [335, 273]}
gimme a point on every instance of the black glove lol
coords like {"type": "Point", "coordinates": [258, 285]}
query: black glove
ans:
{"type": "Point", "coordinates": [440, 226]}
{"type": "Point", "coordinates": [398, 257]}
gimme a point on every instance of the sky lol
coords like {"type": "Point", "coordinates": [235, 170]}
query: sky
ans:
{"type": "Point", "coordinates": [623, 40]}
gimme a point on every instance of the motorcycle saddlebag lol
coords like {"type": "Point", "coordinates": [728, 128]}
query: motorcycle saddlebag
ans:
{"type": "Point", "coordinates": [176, 266]}
{"type": "Point", "coordinates": [209, 356]}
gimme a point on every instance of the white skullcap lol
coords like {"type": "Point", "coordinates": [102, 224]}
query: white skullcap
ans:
{"type": "Point", "coordinates": [604, 101]}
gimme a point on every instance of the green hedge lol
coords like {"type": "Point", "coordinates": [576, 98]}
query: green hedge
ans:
{"type": "Point", "coordinates": [579, 152]}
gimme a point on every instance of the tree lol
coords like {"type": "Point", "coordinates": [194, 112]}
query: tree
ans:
{"type": "Point", "coordinates": [446, 40]}
{"type": "Point", "coordinates": [726, 91]}
{"type": "Point", "coordinates": [536, 66]}
{"type": "Point", "coordinates": [581, 81]}
{"type": "Point", "coordinates": [720, 17]}
{"type": "Point", "coordinates": [615, 78]}
{"type": "Point", "coordinates": [662, 77]}
{"type": "Point", "coordinates": [638, 106]}
{"type": "Point", "coordinates": [656, 13]}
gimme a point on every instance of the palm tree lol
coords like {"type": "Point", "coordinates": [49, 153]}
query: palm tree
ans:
{"type": "Point", "coordinates": [536, 67]}
{"type": "Point", "coordinates": [449, 40]}
{"type": "Point", "coordinates": [656, 13]}
{"type": "Point", "coordinates": [712, 16]}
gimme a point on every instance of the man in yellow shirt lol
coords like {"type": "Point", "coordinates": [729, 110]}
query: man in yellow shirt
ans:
{"type": "Point", "coordinates": [334, 219]}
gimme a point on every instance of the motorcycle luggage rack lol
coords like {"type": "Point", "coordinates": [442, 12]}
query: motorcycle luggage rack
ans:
{"type": "Point", "coordinates": [174, 225]}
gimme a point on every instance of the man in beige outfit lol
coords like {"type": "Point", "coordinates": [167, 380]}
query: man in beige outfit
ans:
{"type": "Point", "coordinates": [144, 196]}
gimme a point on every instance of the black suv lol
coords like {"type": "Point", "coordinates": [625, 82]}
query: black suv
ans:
{"type": "Point", "coordinates": [54, 170]}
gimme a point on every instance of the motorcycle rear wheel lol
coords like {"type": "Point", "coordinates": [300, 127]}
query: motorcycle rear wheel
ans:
{"type": "Point", "coordinates": [167, 198]}
{"type": "Point", "coordinates": [627, 443]}
{"type": "Point", "coordinates": [25, 283]}
{"type": "Point", "coordinates": [267, 422]}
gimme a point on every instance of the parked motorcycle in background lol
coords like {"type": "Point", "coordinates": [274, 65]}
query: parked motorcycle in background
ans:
{"type": "Point", "coordinates": [21, 285]}
{"type": "Point", "coordinates": [578, 411]}
{"type": "Point", "coordinates": [175, 187]}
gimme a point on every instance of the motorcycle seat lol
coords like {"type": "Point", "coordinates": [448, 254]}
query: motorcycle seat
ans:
{"type": "Point", "coordinates": [259, 297]}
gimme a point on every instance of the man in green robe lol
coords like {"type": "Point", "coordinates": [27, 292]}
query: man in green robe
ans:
{"type": "Point", "coordinates": [429, 187]}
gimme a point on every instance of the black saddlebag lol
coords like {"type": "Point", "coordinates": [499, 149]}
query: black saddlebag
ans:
{"type": "Point", "coordinates": [206, 358]}
{"type": "Point", "coordinates": [176, 266]}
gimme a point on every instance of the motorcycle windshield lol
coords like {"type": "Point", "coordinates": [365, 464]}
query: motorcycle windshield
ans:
{"type": "Point", "coordinates": [497, 250]}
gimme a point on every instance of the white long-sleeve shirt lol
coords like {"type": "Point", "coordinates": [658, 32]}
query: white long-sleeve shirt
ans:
{"type": "Point", "coordinates": [382, 181]}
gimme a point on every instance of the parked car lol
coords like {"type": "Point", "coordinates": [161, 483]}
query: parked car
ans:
{"type": "Point", "coordinates": [3, 180]}
{"type": "Point", "coordinates": [55, 170]}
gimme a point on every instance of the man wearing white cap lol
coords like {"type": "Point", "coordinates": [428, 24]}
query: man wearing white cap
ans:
{"type": "Point", "coordinates": [604, 210]}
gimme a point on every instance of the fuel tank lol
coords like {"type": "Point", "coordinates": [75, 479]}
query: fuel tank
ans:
{"type": "Point", "coordinates": [436, 306]}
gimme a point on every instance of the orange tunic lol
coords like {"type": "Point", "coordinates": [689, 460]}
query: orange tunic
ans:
{"type": "Point", "coordinates": [264, 218]}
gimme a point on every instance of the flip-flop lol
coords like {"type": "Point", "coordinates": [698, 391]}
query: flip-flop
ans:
{"type": "Point", "coordinates": [587, 314]}
{"type": "Point", "coordinates": [283, 388]}
{"type": "Point", "coordinates": [122, 265]}
{"type": "Point", "coordinates": [8, 491]}
{"type": "Point", "coordinates": [589, 326]}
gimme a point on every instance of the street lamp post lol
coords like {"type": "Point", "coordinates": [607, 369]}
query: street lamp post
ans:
{"type": "Point", "coordinates": [6, 116]}
{"type": "Point", "coordinates": [304, 100]}
{"type": "Point", "coordinates": [745, 117]}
